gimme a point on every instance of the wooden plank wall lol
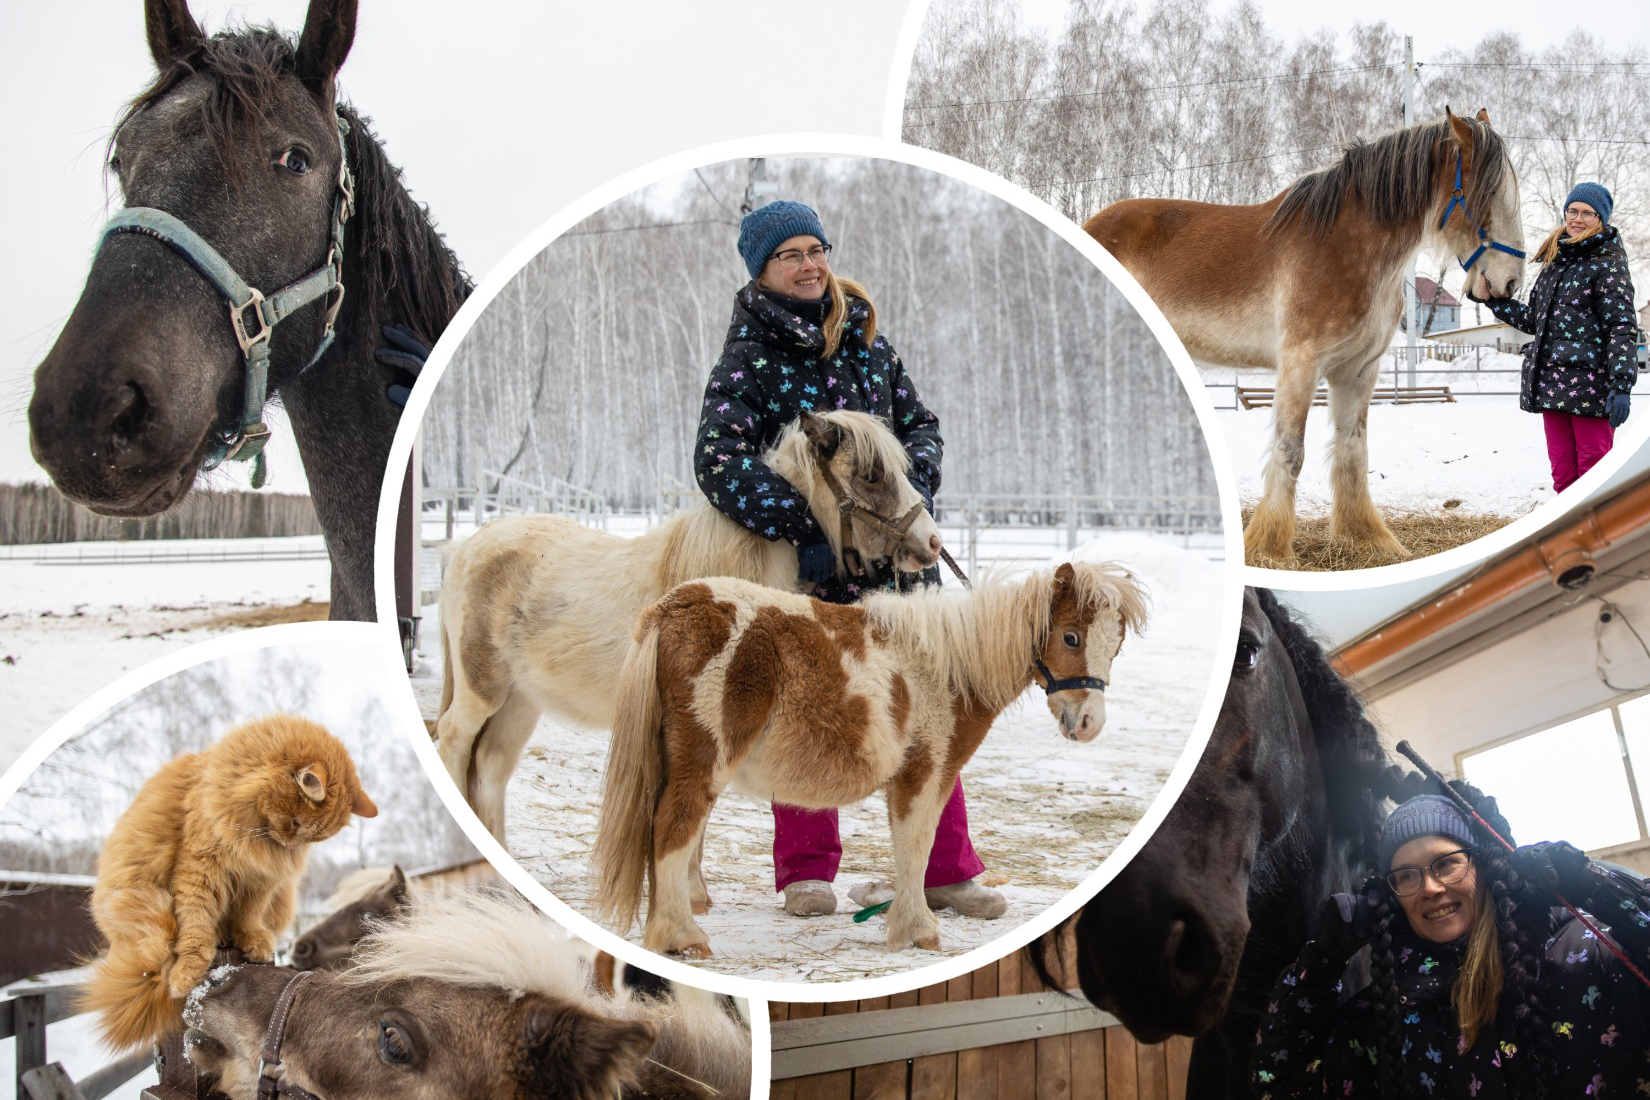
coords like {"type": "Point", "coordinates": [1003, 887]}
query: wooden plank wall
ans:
{"type": "Point", "coordinates": [1103, 1064]}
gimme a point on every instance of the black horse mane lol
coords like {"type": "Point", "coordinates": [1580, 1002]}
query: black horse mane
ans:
{"type": "Point", "coordinates": [1393, 173]}
{"type": "Point", "coordinates": [395, 260]}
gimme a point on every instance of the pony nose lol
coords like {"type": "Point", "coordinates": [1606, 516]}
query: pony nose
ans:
{"type": "Point", "coordinates": [303, 949]}
{"type": "Point", "coordinates": [1190, 957]}
{"type": "Point", "coordinates": [935, 545]}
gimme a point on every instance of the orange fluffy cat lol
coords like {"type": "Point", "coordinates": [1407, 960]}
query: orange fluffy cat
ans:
{"type": "Point", "coordinates": [210, 853]}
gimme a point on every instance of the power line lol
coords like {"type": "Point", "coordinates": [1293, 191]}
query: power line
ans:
{"type": "Point", "coordinates": [650, 225]}
{"type": "Point", "coordinates": [712, 194]}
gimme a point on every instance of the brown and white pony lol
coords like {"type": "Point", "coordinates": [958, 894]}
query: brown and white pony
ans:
{"type": "Point", "coordinates": [1310, 284]}
{"type": "Point", "coordinates": [537, 611]}
{"type": "Point", "coordinates": [476, 994]}
{"type": "Point", "coordinates": [819, 705]}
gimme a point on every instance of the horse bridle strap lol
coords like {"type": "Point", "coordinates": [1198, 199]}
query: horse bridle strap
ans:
{"type": "Point", "coordinates": [270, 1085]}
{"type": "Point", "coordinates": [253, 314]}
{"type": "Point", "coordinates": [1051, 685]}
{"type": "Point", "coordinates": [1458, 198]}
{"type": "Point", "coordinates": [848, 509]}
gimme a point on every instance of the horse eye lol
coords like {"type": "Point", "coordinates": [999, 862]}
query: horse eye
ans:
{"type": "Point", "coordinates": [294, 160]}
{"type": "Point", "coordinates": [872, 476]}
{"type": "Point", "coordinates": [392, 1045]}
{"type": "Point", "coordinates": [114, 165]}
{"type": "Point", "coordinates": [1072, 640]}
{"type": "Point", "coordinates": [1248, 656]}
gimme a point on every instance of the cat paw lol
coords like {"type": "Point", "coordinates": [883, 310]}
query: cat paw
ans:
{"type": "Point", "coordinates": [257, 947]}
{"type": "Point", "coordinates": [187, 972]}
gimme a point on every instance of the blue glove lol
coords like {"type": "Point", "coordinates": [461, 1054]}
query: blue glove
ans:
{"type": "Point", "coordinates": [406, 355]}
{"type": "Point", "coordinates": [1615, 407]}
{"type": "Point", "coordinates": [814, 562]}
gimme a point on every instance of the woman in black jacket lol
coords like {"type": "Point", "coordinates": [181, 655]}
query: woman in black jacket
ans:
{"type": "Point", "coordinates": [802, 338]}
{"type": "Point", "coordinates": [1580, 366]}
{"type": "Point", "coordinates": [1481, 989]}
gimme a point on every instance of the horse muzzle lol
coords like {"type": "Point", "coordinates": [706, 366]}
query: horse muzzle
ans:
{"type": "Point", "coordinates": [1080, 720]}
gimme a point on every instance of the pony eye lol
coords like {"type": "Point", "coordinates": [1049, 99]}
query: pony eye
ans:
{"type": "Point", "coordinates": [294, 160]}
{"type": "Point", "coordinates": [1248, 656]}
{"type": "Point", "coordinates": [872, 476]}
{"type": "Point", "coordinates": [114, 165]}
{"type": "Point", "coordinates": [392, 1045]}
{"type": "Point", "coordinates": [1071, 639]}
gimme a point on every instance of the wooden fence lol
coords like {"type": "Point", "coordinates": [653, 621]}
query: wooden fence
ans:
{"type": "Point", "coordinates": [34, 513]}
{"type": "Point", "coordinates": [994, 1034]}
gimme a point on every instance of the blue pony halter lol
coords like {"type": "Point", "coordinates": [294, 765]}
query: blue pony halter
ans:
{"type": "Point", "coordinates": [1459, 199]}
{"type": "Point", "coordinates": [253, 315]}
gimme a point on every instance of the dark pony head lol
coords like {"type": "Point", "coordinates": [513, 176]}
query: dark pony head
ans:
{"type": "Point", "coordinates": [237, 138]}
{"type": "Point", "coordinates": [1283, 809]}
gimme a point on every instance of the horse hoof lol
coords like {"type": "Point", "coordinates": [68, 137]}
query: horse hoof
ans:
{"type": "Point", "coordinates": [694, 951]}
{"type": "Point", "coordinates": [929, 943]}
{"type": "Point", "coordinates": [700, 906]}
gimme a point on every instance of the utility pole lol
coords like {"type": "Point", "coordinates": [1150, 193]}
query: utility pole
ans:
{"type": "Point", "coordinates": [759, 190]}
{"type": "Point", "coordinates": [1412, 353]}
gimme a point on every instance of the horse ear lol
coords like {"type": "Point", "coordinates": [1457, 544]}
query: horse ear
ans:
{"type": "Point", "coordinates": [398, 886]}
{"type": "Point", "coordinates": [574, 1053]}
{"type": "Point", "coordinates": [329, 29]}
{"type": "Point", "coordinates": [824, 435]}
{"type": "Point", "coordinates": [1460, 127]}
{"type": "Point", "coordinates": [1483, 115]}
{"type": "Point", "coordinates": [1064, 577]}
{"type": "Point", "coordinates": [173, 32]}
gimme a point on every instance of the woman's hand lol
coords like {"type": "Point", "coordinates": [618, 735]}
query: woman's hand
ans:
{"type": "Point", "coordinates": [1346, 922]}
{"type": "Point", "coordinates": [814, 562]}
{"type": "Point", "coordinates": [1554, 866]}
{"type": "Point", "coordinates": [1616, 405]}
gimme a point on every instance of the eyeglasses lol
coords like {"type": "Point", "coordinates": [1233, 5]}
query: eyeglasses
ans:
{"type": "Point", "coordinates": [1581, 212]}
{"type": "Point", "coordinates": [1447, 868]}
{"type": "Point", "coordinates": [792, 258]}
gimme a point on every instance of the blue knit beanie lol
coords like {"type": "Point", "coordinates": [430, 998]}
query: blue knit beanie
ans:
{"type": "Point", "coordinates": [766, 227]}
{"type": "Point", "coordinates": [1423, 815]}
{"type": "Point", "coordinates": [1594, 195]}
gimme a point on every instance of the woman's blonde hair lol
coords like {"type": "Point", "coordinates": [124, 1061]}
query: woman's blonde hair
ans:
{"type": "Point", "coordinates": [1477, 991]}
{"type": "Point", "coordinates": [1548, 251]}
{"type": "Point", "coordinates": [836, 318]}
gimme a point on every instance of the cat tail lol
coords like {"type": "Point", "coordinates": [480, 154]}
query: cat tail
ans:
{"type": "Point", "coordinates": [635, 775]}
{"type": "Point", "coordinates": [129, 985]}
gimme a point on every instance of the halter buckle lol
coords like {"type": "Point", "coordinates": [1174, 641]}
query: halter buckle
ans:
{"type": "Point", "coordinates": [337, 295]}
{"type": "Point", "coordinates": [237, 321]}
{"type": "Point", "coordinates": [250, 439]}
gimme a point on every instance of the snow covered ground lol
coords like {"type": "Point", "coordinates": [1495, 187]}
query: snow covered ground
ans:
{"type": "Point", "coordinates": [1043, 812]}
{"type": "Point", "coordinates": [1481, 451]}
{"type": "Point", "coordinates": [68, 626]}
{"type": "Point", "coordinates": [73, 1042]}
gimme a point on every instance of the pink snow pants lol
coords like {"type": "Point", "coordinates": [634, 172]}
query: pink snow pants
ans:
{"type": "Point", "coordinates": [1575, 444]}
{"type": "Point", "coordinates": [806, 845]}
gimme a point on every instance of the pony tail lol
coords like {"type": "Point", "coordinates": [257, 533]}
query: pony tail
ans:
{"type": "Point", "coordinates": [623, 856]}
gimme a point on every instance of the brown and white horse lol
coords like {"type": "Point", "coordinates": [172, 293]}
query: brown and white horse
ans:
{"type": "Point", "coordinates": [476, 994]}
{"type": "Point", "coordinates": [1310, 284]}
{"type": "Point", "coordinates": [818, 705]}
{"type": "Point", "coordinates": [537, 611]}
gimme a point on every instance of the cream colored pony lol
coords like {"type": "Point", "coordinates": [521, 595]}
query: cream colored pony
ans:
{"type": "Point", "coordinates": [537, 611]}
{"type": "Point", "coordinates": [818, 705]}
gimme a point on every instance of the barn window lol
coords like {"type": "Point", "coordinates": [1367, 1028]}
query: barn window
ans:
{"type": "Point", "coordinates": [1580, 781]}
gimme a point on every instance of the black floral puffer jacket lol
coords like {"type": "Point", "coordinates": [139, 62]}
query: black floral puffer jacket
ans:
{"type": "Point", "coordinates": [769, 372]}
{"type": "Point", "coordinates": [1580, 314]}
{"type": "Point", "coordinates": [1314, 1043]}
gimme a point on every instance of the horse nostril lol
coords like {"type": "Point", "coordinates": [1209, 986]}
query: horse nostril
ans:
{"type": "Point", "coordinates": [1190, 957]}
{"type": "Point", "coordinates": [132, 413]}
{"type": "Point", "coordinates": [934, 545]}
{"type": "Point", "coordinates": [303, 949]}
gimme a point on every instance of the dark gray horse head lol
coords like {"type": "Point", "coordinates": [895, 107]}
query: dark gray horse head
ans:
{"type": "Point", "coordinates": [230, 163]}
{"type": "Point", "coordinates": [236, 139]}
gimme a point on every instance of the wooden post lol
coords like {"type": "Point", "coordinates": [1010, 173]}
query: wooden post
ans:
{"type": "Point", "coordinates": [29, 1023]}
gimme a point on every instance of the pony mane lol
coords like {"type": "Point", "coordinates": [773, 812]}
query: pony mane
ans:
{"type": "Point", "coordinates": [1393, 174]}
{"type": "Point", "coordinates": [477, 939]}
{"type": "Point", "coordinates": [356, 886]}
{"type": "Point", "coordinates": [393, 255]}
{"type": "Point", "coordinates": [982, 642]}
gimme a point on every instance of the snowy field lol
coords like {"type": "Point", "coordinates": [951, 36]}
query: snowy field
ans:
{"type": "Point", "coordinates": [1043, 812]}
{"type": "Point", "coordinates": [1482, 452]}
{"type": "Point", "coordinates": [69, 625]}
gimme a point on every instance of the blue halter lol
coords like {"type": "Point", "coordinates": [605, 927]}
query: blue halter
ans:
{"type": "Point", "coordinates": [253, 315]}
{"type": "Point", "coordinates": [1459, 199]}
